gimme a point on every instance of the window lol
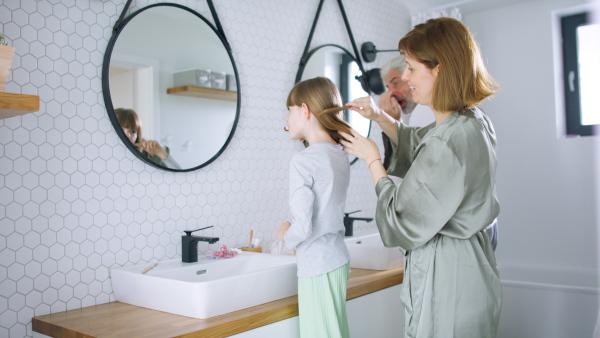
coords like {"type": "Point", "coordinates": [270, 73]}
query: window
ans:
{"type": "Point", "coordinates": [580, 73]}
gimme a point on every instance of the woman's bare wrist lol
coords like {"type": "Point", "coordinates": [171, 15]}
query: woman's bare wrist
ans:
{"type": "Point", "coordinates": [383, 118]}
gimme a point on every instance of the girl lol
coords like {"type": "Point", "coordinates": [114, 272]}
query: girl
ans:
{"type": "Point", "coordinates": [319, 177]}
{"type": "Point", "coordinates": [132, 126]}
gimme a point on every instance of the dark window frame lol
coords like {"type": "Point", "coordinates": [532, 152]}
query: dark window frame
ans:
{"type": "Point", "coordinates": [570, 69]}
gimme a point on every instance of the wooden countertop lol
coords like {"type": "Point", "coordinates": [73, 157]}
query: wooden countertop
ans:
{"type": "Point", "coordinates": [117, 319]}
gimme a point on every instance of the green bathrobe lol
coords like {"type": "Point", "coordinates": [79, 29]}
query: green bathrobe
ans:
{"type": "Point", "coordinates": [438, 214]}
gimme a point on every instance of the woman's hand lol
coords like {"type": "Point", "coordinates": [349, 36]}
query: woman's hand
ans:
{"type": "Point", "coordinates": [365, 149]}
{"type": "Point", "coordinates": [366, 107]}
{"type": "Point", "coordinates": [283, 228]}
{"type": "Point", "coordinates": [359, 146]}
{"type": "Point", "coordinates": [154, 148]}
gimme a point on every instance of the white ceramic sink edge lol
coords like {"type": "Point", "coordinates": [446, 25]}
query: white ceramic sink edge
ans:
{"type": "Point", "coordinates": [368, 252]}
{"type": "Point", "coordinates": [207, 288]}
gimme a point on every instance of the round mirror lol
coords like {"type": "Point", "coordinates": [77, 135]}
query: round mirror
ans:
{"type": "Point", "coordinates": [171, 87]}
{"type": "Point", "coordinates": [337, 64]}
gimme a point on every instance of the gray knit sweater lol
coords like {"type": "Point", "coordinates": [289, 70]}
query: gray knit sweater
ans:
{"type": "Point", "coordinates": [319, 178]}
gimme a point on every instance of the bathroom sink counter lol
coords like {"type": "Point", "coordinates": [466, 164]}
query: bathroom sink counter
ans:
{"type": "Point", "coordinates": [117, 319]}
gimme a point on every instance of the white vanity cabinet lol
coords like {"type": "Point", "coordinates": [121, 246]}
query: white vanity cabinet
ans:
{"type": "Point", "coordinates": [377, 314]}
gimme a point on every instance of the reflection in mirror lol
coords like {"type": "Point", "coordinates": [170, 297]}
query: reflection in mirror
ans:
{"type": "Point", "coordinates": [337, 64]}
{"type": "Point", "coordinates": [191, 116]}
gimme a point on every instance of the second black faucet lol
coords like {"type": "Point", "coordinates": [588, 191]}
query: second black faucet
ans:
{"type": "Point", "coordinates": [349, 222]}
{"type": "Point", "coordinates": [189, 245]}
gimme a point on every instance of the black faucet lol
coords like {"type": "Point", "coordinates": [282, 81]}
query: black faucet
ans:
{"type": "Point", "coordinates": [189, 245]}
{"type": "Point", "coordinates": [349, 222]}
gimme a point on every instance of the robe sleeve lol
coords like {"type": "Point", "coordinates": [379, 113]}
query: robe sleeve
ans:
{"type": "Point", "coordinates": [408, 140]}
{"type": "Point", "coordinates": [301, 203]}
{"type": "Point", "coordinates": [410, 214]}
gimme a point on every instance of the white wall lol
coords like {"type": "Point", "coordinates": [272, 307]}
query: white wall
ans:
{"type": "Point", "coordinates": [547, 186]}
{"type": "Point", "coordinates": [74, 201]}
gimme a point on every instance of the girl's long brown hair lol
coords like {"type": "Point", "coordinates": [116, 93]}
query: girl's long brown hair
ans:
{"type": "Point", "coordinates": [323, 99]}
{"type": "Point", "coordinates": [129, 119]}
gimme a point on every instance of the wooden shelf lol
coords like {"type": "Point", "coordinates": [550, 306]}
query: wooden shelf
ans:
{"type": "Point", "coordinates": [18, 104]}
{"type": "Point", "coordinates": [206, 93]}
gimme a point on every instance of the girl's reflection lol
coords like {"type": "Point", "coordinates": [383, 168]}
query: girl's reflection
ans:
{"type": "Point", "coordinates": [132, 126]}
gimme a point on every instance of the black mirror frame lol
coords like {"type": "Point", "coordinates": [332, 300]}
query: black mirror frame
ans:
{"type": "Point", "coordinates": [118, 28]}
{"type": "Point", "coordinates": [354, 56]}
{"type": "Point", "coordinates": [313, 51]}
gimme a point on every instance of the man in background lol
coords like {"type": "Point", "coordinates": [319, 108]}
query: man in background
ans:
{"type": "Point", "coordinates": [397, 102]}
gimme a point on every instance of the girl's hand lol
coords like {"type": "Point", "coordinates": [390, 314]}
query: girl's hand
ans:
{"type": "Point", "coordinates": [282, 230]}
{"type": "Point", "coordinates": [361, 147]}
{"type": "Point", "coordinates": [154, 148]}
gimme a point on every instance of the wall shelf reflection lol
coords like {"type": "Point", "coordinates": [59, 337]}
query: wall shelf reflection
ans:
{"type": "Point", "coordinates": [18, 104]}
{"type": "Point", "coordinates": [206, 93]}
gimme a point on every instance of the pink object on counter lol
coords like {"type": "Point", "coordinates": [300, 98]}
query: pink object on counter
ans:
{"type": "Point", "coordinates": [224, 252]}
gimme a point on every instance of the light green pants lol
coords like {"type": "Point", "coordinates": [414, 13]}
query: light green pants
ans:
{"type": "Point", "coordinates": [322, 303]}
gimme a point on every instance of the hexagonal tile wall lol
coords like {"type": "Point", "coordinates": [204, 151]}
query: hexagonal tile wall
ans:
{"type": "Point", "coordinates": [74, 201]}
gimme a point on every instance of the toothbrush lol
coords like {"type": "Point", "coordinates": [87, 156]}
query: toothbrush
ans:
{"type": "Point", "coordinates": [149, 268]}
{"type": "Point", "coordinates": [251, 235]}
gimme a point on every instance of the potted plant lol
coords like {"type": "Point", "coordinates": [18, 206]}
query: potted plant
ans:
{"type": "Point", "coordinates": [6, 56]}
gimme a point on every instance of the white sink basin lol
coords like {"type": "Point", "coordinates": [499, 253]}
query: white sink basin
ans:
{"type": "Point", "coordinates": [368, 252]}
{"type": "Point", "coordinates": [208, 288]}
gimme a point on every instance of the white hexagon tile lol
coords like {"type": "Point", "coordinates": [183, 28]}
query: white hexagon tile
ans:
{"type": "Point", "coordinates": [74, 201]}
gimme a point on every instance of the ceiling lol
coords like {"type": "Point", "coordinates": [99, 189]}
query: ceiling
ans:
{"type": "Point", "coordinates": [465, 6]}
